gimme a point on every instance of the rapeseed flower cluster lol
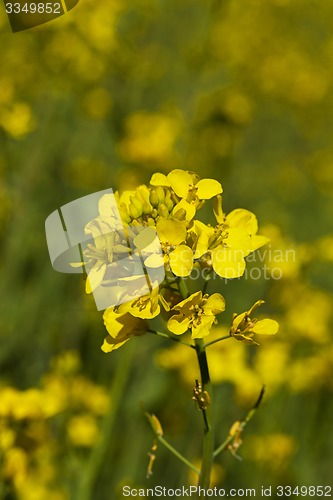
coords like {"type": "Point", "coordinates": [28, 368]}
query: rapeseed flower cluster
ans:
{"type": "Point", "coordinates": [160, 228]}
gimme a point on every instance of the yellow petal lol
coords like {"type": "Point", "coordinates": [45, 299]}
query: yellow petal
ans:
{"type": "Point", "coordinates": [188, 207]}
{"type": "Point", "coordinates": [217, 208]}
{"type": "Point", "coordinates": [258, 241]}
{"type": "Point", "coordinates": [207, 188]}
{"type": "Point", "coordinates": [154, 261]}
{"type": "Point", "coordinates": [244, 338]}
{"type": "Point", "coordinates": [108, 347]}
{"type": "Point", "coordinates": [106, 204]}
{"type": "Point", "coordinates": [203, 233]}
{"type": "Point", "coordinates": [243, 218]}
{"type": "Point", "coordinates": [215, 304]}
{"type": "Point", "coordinates": [181, 261]}
{"type": "Point", "coordinates": [149, 312]}
{"type": "Point", "coordinates": [202, 329]}
{"type": "Point", "coordinates": [239, 239]}
{"type": "Point", "coordinates": [172, 232]}
{"type": "Point", "coordinates": [95, 276]}
{"type": "Point", "coordinates": [228, 263]}
{"type": "Point", "coordinates": [266, 327]}
{"type": "Point", "coordinates": [179, 324]}
{"type": "Point", "coordinates": [237, 321]}
{"type": "Point", "coordinates": [180, 182]}
{"type": "Point", "coordinates": [192, 300]}
{"type": "Point", "coordinates": [145, 238]}
{"type": "Point", "coordinates": [159, 180]}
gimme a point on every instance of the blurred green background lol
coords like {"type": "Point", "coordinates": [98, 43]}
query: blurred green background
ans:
{"type": "Point", "coordinates": [103, 97]}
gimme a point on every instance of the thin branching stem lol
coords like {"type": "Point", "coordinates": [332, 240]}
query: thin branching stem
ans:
{"type": "Point", "coordinates": [242, 424]}
{"type": "Point", "coordinates": [217, 340]}
{"type": "Point", "coordinates": [175, 452]}
{"type": "Point", "coordinates": [169, 337]}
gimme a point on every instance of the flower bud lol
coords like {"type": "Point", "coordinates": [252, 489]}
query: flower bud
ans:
{"type": "Point", "coordinates": [163, 211]}
{"type": "Point", "coordinates": [147, 208]}
{"type": "Point", "coordinates": [154, 213]}
{"type": "Point", "coordinates": [134, 211]}
{"type": "Point", "coordinates": [151, 222]}
{"type": "Point", "coordinates": [137, 203]}
{"type": "Point", "coordinates": [153, 198]}
{"type": "Point", "coordinates": [160, 194]}
{"type": "Point", "coordinates": [125, 217]}
{"type": "Point", "coordinates": [168, 201]}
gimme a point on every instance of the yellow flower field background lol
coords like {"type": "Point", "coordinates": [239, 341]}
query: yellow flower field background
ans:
{"type": "Point", "coordinates": [105, 97]}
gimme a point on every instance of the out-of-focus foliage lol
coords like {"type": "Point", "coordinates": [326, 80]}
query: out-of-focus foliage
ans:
{"type": "Point", "coordinates": [101, 98]}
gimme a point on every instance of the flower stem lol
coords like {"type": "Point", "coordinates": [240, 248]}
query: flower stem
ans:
{"type": "Point", "coordinates": [242, 424]}
{"type": "Point", "coordinates": [218, 340]}
{"type": "Point", "coordinates": [169, 337]}
{"type": "Point", "coordinates": [177, 454]}
{"type": "Point", "coordinates": [208, 445]}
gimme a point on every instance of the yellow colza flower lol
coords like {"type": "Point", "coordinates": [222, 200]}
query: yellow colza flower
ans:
{"type": "Point", "coordinates": [196, 312]}
{"type": "Point", "coordinates": [177, 255]}
{"type": "Point", "coordinates": [187, 185]}
{"type": "Point", "coordinates": [121, 327]}
{"type": "Point", "coordinates": [235, 237]}
{"type": "Point", "coordinates": [144, 307]}
{"type": "Point", "coordinates": [243, 327]}
{"type": "Point", "coordinates": [129, 319]}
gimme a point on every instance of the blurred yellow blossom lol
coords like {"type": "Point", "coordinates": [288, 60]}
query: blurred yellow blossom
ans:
{"type": "Point", "coordinates": [83, 430]}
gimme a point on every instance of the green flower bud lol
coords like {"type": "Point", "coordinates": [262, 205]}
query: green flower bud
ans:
{"type": "Point", "coordinates": [153, 198]}
{"type": "Point", "coordinates": [125, 217]}
{"type": "Point", "coordinates": [147, 208]}
{"type": "Point", "coordinates": [154, 213]}
{"type": "Point", "coordinates": [168, 201]}
{"type": "Point", "coordinates": [160, 194]}
{"type": "Point", "coordinates": [137, 203]}
{"type": "Point", "coordinates": [134, 211]}
{"type": "Point", "coordinates": [151, 222]}
{"type": "Point", "coordinates": [163, 211]}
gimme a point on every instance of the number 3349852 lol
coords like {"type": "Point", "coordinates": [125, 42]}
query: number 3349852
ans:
{"type": "Point", "coordinates": [33, 8]}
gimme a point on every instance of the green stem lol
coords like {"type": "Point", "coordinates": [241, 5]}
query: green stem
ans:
{"type": "Point", "coordinates": [217, 340]}
{"type": "Point", "coordinates": [208, 445]}
{"type": "Point", "coordinates": [177, 454]}
{"type": "Point", "coordinates": [169, 337]}
{"type": "Point", "coordinates": [242, 424]}
{"type": "Point", "coordinates": [183, 288]}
